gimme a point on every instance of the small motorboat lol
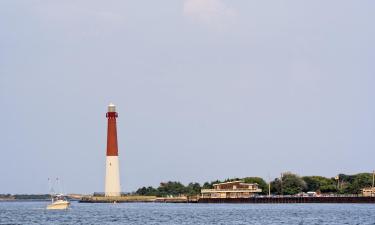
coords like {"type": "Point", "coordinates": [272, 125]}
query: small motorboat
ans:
{"type": "Point", "coordinates": [59, 202]}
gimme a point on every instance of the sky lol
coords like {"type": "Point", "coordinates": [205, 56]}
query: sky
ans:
{"type": "Point", "coordinates": [205, 90]}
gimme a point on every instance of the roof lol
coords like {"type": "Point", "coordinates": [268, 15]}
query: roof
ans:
{"type": "Point", "coordinates": [369, 188]}
{"type": "Point", "coordinates": [234, 182]}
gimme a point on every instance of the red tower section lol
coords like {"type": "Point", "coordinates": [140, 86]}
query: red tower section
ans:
{"type": "Point", "coordinates": [112, 149]}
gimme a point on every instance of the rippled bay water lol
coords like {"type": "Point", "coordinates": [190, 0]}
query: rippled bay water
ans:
{"type": "Point", "coordinates": [194, 214]}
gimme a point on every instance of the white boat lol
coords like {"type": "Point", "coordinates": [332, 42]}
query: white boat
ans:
{"type": "Point", "coordinates": [59, 202]}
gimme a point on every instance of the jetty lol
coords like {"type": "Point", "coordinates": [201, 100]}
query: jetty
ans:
{"type": "Point", "coordinates": [117, 199]}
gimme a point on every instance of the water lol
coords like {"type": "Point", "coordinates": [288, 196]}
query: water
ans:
{"type": "Point", "coordinates": [191, 214]}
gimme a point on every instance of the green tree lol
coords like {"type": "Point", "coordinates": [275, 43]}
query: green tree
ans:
{"type": "Point", "coordinates": [232, 179]}
{"type": "Point", "coordinates": [276, 186]}
{"type": "Point", "coordinates": [290, 184]}
{"type": "Point", "coordinates": [207, 185]}
{"type": "Point", "coordinates": [171, 188]}
{"type": "Point", "coordinates": [211, 185]}
{"type": "Point", "coordinates": [148, 191]}
{"type": "Point", "coordinates": [258, 180]}
{"type": "Point", "coordinates": [358, 182]}
{"type": "Point", "coordinates": [193, 189]}
{"type": "Point", "coordinates": [320, 184]}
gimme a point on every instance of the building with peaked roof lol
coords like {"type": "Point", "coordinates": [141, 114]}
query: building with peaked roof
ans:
{"type": "Point", "coordinates": [233, 189]}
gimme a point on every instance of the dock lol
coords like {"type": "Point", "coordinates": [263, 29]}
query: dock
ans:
{"type": "Point", "coordinates": [290, 200]}
{"type": "Point", "coordinates": [251, 200]}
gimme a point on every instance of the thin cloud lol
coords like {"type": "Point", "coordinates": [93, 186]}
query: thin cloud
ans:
{"type": "Point", "coordinates": [209, 12]}
{"type": "Point", "coordinates": [79, 19]}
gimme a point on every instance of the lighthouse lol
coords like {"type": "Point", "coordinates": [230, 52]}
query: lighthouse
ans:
{"type": "Point", "coordinates": [112, 174]}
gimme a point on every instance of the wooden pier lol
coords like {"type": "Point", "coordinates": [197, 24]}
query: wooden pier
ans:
{"type": "Point", "coordinates": [286, 200]}
{"type": "Point", "coordinates": [252, 200]}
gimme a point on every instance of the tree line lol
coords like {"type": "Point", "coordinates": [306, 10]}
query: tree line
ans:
{"type": "Point", "coordinates": [26, 196]}
{"type": "Point", "coordinates": [287, 184]}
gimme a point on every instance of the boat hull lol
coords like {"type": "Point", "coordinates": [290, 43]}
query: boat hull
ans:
{"type": "Point", "coordinates": [59, 205]}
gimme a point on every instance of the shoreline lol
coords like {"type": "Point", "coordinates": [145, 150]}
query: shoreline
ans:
{"type": "Point", "coordinates": [252, 200]}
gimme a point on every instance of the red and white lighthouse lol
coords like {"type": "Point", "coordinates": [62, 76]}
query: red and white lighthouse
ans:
{"type": "Point", "coordinates": [112, 175]}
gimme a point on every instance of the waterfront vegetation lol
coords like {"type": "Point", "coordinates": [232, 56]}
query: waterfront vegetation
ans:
{"type": "Point", "coordinates": [287, 184]}
{"type": "Point", "coordinates": [25, 196]}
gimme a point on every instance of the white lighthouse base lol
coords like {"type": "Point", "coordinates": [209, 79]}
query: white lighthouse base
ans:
{"type": "Point", "coordinates": [112, 177]}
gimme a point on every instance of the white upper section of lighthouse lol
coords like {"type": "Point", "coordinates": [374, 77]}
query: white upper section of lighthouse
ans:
{"type": "Point", "coordinates": [111, 107]}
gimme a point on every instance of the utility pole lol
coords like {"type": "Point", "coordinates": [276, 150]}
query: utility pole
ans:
{"type": "Point", "coordinates": [269, 189]}
{"type": "Point", "coordinates": [338, 182]}
{"type": "Point", "coordinates": [373, 180]}
{"type": "Point", "coordinates": [269, 185]}
{"type": "Point", "coordinates": [281, 184]}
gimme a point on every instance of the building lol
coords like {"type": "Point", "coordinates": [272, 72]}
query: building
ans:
{"type": "Point", "coordinates": [112, 174]}
{"type": "Point", "coordinates": [233, 189]}
{"type": "Point", "coordinates": [368, 192]}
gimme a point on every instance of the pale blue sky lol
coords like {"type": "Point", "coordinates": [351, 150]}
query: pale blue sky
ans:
{"type": "Point", "coordinates": [205, 90]}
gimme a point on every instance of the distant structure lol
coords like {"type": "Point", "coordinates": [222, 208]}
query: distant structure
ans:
{"type": "Point", "coordinates": [112, 175]}
{"type": "Point", "coordinates": [233, 189]}
{"type": "Point", "coordinates": [370, 191]}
